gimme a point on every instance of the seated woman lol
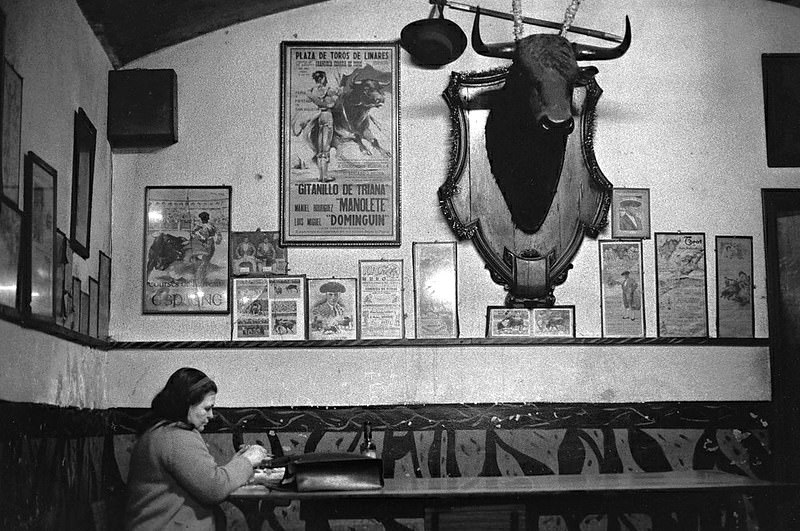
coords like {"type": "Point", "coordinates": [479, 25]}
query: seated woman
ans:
{"type": "Point", "coordinates": [174, 482]}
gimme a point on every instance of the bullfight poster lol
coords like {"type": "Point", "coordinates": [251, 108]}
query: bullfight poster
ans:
{"type": "Point", "coordinates": [340, 151]}
{"type": "Point", "coordinates": [187, 231]}
{"type": "Point", "coordinates": [681, 298]}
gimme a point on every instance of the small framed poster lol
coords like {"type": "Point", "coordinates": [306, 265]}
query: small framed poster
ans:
{"type": "Point", "coordinates": [681, 295]}
{"type": "Point", "coordinates": [186, 261]}
{"type": "Point", "coordinates": [257, 254]}
{"type": "Point", "coordinates": [735, 313]}
{"type": "Point", "coordinates": [59, 277]}
{"type": "Point", "coordinates": [554, 321]}
{"type": "Point", "coordinates": [75, 321]}
{"type": "Point", "coordinates": [630, 213]}
{"type": "Point", "coordinates": [10, 253]}
{"type": "Point", "coordinates": [271, 308]}
{"type": "Point", "coordinates": [40, 237]}
{"type": "Point", "coordinates": [86, 309]}
{"type": "Point", "coordinates": [94, 305]}
{"type": "Point", "coordinates": [508, 322]}
{"type": "Point", "coordinates": [104, 296]}
{"type": "Point", "coordinates": [621, 296]}
{"type": "Point", "coordinates": [332, 308]}
{"type": "Point", "coordinates": [11, 149]}
{"type": "Point", "coordinates": [435, 289]}
{"type": "Point", "coordinates": [380, 299]}
{"type": "Point", "coordinates": [83, 154]}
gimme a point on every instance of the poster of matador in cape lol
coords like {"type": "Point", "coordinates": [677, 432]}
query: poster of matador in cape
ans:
{"type": "Point", "coordinates": [339, 144]}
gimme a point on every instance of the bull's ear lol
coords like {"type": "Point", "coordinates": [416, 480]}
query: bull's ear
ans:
{"type": "Point", "coordinates": [585, 75]}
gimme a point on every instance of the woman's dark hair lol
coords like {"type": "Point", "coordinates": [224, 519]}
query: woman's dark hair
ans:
{"type": "Point", "coordinates": [186, 387]}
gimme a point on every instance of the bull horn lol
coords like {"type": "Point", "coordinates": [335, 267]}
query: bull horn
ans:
{"type": "Point", "coordinates": [503, 50]}
{"type": "Point", "coordinates": [585, 52]}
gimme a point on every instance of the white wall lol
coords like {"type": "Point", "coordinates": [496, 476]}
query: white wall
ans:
{"type": "Point", "coordinates": [63, 67]}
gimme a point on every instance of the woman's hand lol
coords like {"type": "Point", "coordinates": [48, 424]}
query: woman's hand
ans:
{"type": "Point", "coordinates": [254, 453]}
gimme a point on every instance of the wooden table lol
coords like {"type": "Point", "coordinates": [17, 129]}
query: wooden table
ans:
{"type": "Point", "coordinates": [688, 496]}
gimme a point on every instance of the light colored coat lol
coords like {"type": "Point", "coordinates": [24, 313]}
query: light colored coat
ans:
{"type": "Point", "coordinates": [174, 482]}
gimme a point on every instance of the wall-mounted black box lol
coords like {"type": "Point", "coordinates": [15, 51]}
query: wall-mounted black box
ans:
{"type": "Point", "coordinates": [142, 108]}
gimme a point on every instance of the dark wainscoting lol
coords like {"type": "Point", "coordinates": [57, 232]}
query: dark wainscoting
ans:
{"type": "Point", "coordinates": [64, 468]}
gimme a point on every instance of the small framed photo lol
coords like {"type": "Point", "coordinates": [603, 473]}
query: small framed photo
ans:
{"type": "Point", "coordinates": [104, 296]}
{"type": "Point", "coordinates": [630, 213]}
{"type": "Point", "coordinates": [83, 153]}
{"type": "Point", "coordinates": [681, 295]}
{"type": "Point", "coordinates": [555, 321]}
{"type": "Point", "coordinates": [269, 308]}
{"type": "Point", "coordinates": [11, 149]}
{"type": "Point", "coordinates": [781, 113]}
{"type": "Point", "coordinates": [10, 254]}
{"type": "Point", "coordinates": [94, 300]}
{"type": "Point", "coordinates": [735, 314]}
{"type": "Point", "coordinates": [508, 322]}
{"type": "Point", "coordinates": [621, 296]}
{"type": "Point", "coordinates": [186, 259]}
{"type": "Point", "coordinates": [68, 309]}
{"type": "Point", "coordinates": [332, 308]}
{"type": "Point", "coordinates": [40, 237]}
{"type": "Point", "coordinates": [76, 305]}
{"type": "Point", "coordinates": [59, 278]}
{"type": "Point", "coordinates": [86, 309]}
{"type": "Point", "coordinates": [380, 299]}
{"type": "Point", "coordinates": [435, 289]}
{"type": "Point", "coordinates": [257, 254]}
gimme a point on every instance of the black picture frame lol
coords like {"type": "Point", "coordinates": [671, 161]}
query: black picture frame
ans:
{"type": "Point", "coordinates": [39, 238]}
{"type": "Point", "coordinates": [75, 324]}
{"type": "Point", "coordinates": [734, 273]}
{"type": "Point", "coordinates": [59, 309]}
{"type": "Point", "coordinates": [104, 302]}
{"type": "Point", "coordinates": [83, 155]}
{"type": "Point", "coordinates": [11, 146]}
{"type": "Point", "coordinates": [86, 303]}
{"type": "Point", "coordinates": [10, 257]}
{"type": "Point", "coordinates": [681, 284]}
{"type": "Point", "coordinates": [94, 300]}
{"type": "Point", "coordinates": [781, 82]}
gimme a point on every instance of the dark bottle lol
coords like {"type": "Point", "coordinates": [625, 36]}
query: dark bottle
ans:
{"type": "Point", "coordinates": [368, 445]}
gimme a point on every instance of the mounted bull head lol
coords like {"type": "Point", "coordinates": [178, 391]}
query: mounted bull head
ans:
{"type": "Point", "coordinates": [528, 124]}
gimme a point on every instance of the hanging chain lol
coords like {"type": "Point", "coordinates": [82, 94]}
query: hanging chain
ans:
{"type": "Point", "coordinates": [569, 16]}
{"type": "Point", "coordinates": [516, 11]}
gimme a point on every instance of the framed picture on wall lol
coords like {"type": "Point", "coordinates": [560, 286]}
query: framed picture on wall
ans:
{"type": "Point", "coordinates": [380, 299]}
{"type": "Point", "coordinates": [104, 295]}
{"type": "Point", "coordinates": [735, 313]}
{"type": "Point", "coordinates": [257, 254]}
{"type": "Point", "coordinates": [269, 308]}
{"type": "Point", "coordinates": [630, 213]}
{"type": "Point", "coordinates": [555, 321]}
{"type": "Point", "coordinates": [11, 149]}
{"type": "Point", "coordinates": [39, 237]}
{"type": "Point", "coordinates": [340, 149]}
{"type": "Point", "coordinates": [621, 283]}
{"type": "Point", "coordinates": [86, 308]}
{"type": "Point", "coordinates": [332, 308]}
{"type": "Point", "coordinates": [435, 289]}
{"type": "Point", "coordinates": [508, 322]}
{"type": "Point", "coordinates": [10, 254]}
{"type": "Point", "coordinates": [83, 154]}
{"type": "Point", "coordinates": [76, 304]}
{"type": "Point", "coordinates": [94, 305]}
{"type": "Point", "coordinates": [781, 83]}
{"type": "Point", "coordinates": [59, 278]}
{"type": "Point", "coordinates": [681, 297]}
{"type": "Point", "coordinates": [186, 260]}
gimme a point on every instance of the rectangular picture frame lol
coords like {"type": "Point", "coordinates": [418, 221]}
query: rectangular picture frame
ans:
{"type": "Point", "coordinates": [41, 185]}
{"type": "Point", "coordinates": [86, 309]}
{"type": "Point", "coordinates": [734, 269]}
{"type": "Point", "coordinates": [553, 321]}
{"type": "Point", "coordinates": [435, 289]}
{"type": "Point", "coordinates": [104, 295]}
{"type": "Point", "coordinates": [269, 308]}
{"type": "Point", "coordinates": [681, 291]}
{"type": "Point", "coordinates": [341, 188]}
{"type": "Point", "coordinates": [781, 86]}
{"type": "Point", "coordinates": [630, 213]}
{"type": "Point", "coordinates": [94, 306]}
{"type": "Point", "coordinates": [11, 221]}
{"type": "Point", "coordinates": [59, 277]}
{"type": "Point", "coordinates": [11, 146]}
{"type": "Point", "coordinates": [76, 304]}
{"type": "Point", "coordinates": [622, 306]}
{"type": "Point", "coordinates": [332, 308]}
{"type": "Point", "coordinates": [380, 299]}
{"type": "Point", "coordinates": [186, 260]}
{"type": "Point", "coordinates": [504, 322]}
{"type": "Point", "coordinates": [257, 254]}
{"type": "Point", "coordinates": [83, 157]}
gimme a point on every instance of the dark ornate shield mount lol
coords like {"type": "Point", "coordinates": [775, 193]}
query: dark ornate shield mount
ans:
{"type": "Point", "coordinates": [529, 266]}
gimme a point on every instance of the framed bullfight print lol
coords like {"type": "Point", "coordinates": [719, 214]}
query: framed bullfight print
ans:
{"type": "Point", "coordinates": [332, 308]}
{"type": "Point", "coordinates": [269, 308]}
{"type": "Point", "coordinates": [257, 254]}
{"type": "Point", "coordinates": [621, 298]}
{"type": "Point", "coordinates": [186, 239]}
{"type": "Point", "coordinates": [681, 298]}
{"type": "Point", "coordinates": [554, 321]}
{"type": "Point", "coordinates": [630, 213]}
{"type": "Point", "coordinates": [435, 289]}
{"type": "Point", "coordinates": [380, 299]}
{"type": "Point", "coordinates": [735, 315]}
{"type": "Point", "coordinates": [502, 321]}
{"type": "Point", "coordinates": [340, 149]}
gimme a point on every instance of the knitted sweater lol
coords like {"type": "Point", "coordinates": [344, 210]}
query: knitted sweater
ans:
{"type": "Point", "coordinates": [174, 482]}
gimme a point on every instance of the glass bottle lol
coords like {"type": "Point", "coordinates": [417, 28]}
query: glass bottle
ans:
{"type": "Point", "coordinates": [368, 447]}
